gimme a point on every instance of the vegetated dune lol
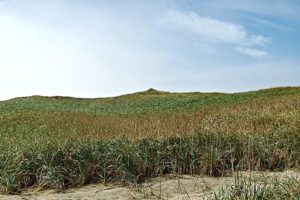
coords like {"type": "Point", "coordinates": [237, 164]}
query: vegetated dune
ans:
{"type": "Point", "coordinates": [63, 142]}
{"type": "Point", "coordinates": [150, 113]}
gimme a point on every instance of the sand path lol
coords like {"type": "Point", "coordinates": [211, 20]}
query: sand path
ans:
{"type": "Point", "coordinates": [169, 187]}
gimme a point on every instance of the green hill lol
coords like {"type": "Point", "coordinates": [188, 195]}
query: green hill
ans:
{"type": "Point", "coordinates": [151, 101]}
{"type": "Point", "coordinates": [148, 113]}
{"type": "Point", "coordinates": [38, 127]}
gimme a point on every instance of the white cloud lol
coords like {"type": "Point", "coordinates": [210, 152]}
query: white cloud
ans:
{"type": "Point", "coordinates": [216, 31]}
{"type": "Point", "coordinates": [254, 53]}
{"type": "Point", "coordinates": [213, 30]}
{"type": "Point", "coordinates": [275, 8]}
{"type": "Point", "coordinates": [260, 40]}
{"type": "Point", "coordinates": [273, 25]}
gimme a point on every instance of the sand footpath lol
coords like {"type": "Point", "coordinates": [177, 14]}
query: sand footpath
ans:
{"type": "Point", "coordinates": [168, 187]}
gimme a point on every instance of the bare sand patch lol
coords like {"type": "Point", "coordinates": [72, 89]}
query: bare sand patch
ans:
{"type": "Point", "coordinates": [168, 187]}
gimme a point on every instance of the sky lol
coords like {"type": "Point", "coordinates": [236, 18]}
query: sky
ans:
{"type": "Point", "coordinates": [90, 48]}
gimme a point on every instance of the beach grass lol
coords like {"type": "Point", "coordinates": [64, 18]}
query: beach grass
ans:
{"type": "Point", "coordinates": [62, 142]}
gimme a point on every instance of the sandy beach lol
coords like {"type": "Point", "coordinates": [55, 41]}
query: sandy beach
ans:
{"type": "Point", "coordinates": [168, 187]}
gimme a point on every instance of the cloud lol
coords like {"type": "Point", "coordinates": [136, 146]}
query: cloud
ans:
{"type": "Point", "coordinates": [273, 25]}
{"type": "Point", "coordinates": [254, 53]}
{"type": "Point", "coordinates": [260, 40]}
{"type": "Point", "coordinates": [216, 31]}
{"type": "Point", "coordinates": [276, 8]}
{"type": "Point", "coordinates": [213, 30]}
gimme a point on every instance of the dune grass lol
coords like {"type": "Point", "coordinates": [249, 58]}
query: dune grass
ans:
{"type": "Point", "coordinates": [60, 142]}
{"type": "Point", "coordinates": [261, 187]}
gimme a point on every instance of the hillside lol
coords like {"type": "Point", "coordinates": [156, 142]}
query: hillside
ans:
{"type": "Point", "coordinates": [149, 113]}
{"type": "Point", "coordinates": [37, 129]}
{"type": "Point", "coordinates": [151, 101]}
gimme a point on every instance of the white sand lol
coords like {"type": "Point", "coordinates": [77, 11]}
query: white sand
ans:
{"type": "Point", "coordinates": [169, 187]}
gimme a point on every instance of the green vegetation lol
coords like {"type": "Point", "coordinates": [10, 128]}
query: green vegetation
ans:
{"type": "Point", "coordinates": [59, 142]}
{"type": "Point", "coordinates": [261, 187]}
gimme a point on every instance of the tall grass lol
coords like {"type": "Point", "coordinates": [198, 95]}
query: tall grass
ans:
{"type": "Point", "coordinates": [125, 160]}
{"type": "Point", "coordinates": [266, 188]}
{"type": "Point", "coordinates": [63, 142]}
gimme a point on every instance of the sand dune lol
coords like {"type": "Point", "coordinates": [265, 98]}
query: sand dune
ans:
{"type": "Point", "coordinates": [168, 187]}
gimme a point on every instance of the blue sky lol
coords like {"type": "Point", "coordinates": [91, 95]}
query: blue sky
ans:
{"type": "Point", "coordinates": [90, 48]}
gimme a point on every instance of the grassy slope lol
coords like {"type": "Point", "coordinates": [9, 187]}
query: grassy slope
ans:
{"type": "Point", "coordinates": [147, 113]}
{"type": "Point", "coordinates": [150, 101]}
{"type": "Point", "coordinates": [43, 126]}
